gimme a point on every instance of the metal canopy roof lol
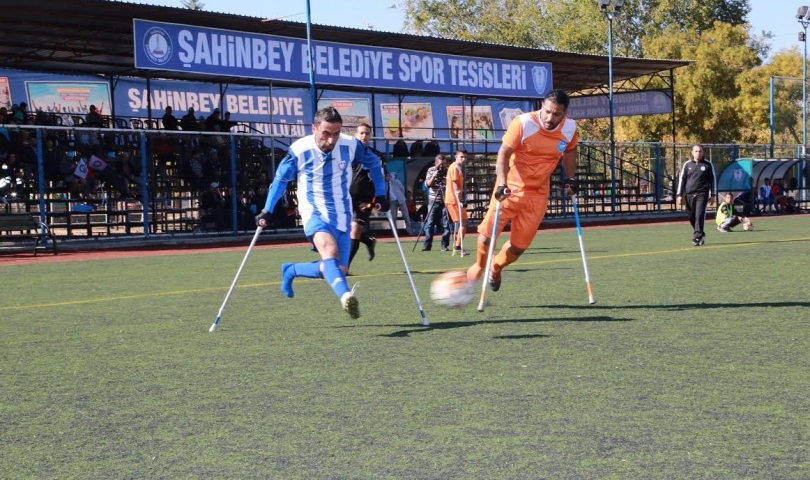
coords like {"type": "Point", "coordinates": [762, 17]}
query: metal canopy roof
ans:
{"type": "Point", "coordinates": [95, 37]}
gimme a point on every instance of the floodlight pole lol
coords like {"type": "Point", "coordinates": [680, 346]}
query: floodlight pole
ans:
{"type": "Point", "coordinates": [311, 54]}
{"type": "Point", "coordinates": [803, 17]}
{"type": "Point", "coordinates": [609, 13]}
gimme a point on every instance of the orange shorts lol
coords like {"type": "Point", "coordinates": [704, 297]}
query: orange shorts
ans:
{"type": "Point", "coordinates": [452, 210]}
{"type": "Point", "coordinates": [526, 214]}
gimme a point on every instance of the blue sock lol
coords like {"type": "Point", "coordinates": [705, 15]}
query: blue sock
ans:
{"type": "Point", "coordinates": [334, 276]}
{"type": "Point", "coordinates": [308, 269]}
{"type": "Point", "coordinates": [291, 270]}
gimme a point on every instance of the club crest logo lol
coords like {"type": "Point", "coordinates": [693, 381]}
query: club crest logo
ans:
{"type": "Point", "coordinates": [342, 165]}
{"type": "Point", "coordinates": [702, 169]}
{"type": "Point", "coordinates": [561, 146]}
{"type": "Point", "coordinates": [540, 79]}
{"type": "Point", "coordinates": [158, 46]}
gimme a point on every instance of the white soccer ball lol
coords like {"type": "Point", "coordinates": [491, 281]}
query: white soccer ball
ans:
{"type": "Point", "coordinates": [451, 289]}
{"type": "Point", "coordinates": [748, 226]}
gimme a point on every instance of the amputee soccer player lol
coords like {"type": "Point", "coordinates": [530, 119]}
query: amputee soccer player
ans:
{"type": "Point", "coordinates": [456, 207]}
{"type": "Point", "coordinates": [322, 165]}
{"type": "Point", "coordinates": [530, 150]}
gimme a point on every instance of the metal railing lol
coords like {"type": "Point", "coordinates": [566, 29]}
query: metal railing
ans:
{"type": "Point", "coordinates": [154, 182]}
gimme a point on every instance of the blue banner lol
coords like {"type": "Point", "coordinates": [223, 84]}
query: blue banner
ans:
{"type": "Point", "coordinates": [211, 51]}
{"type": "Point", "coordinates": [624, 104]}
{"type": "Point", "coordinates": [280, 111]}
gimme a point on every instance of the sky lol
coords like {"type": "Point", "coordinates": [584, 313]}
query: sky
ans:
{"type": "Point", "coordinates": [776, 16]}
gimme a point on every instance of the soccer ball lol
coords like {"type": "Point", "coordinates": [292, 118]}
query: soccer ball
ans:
{"type": "Point", "coordinates": [451, 289]}
{"type": "Point", "coordinates": [748, 226]}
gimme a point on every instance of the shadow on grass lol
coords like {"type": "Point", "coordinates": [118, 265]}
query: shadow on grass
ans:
{"type": "Point", "coordinates": [521, 337]}
{"type": "Point", "coordinates": [677, 307]}
{"type": "Point", "coordinates": [474, 323]}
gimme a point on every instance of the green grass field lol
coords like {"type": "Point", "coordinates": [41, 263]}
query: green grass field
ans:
{"type": "Point", "coordinates": [693, 365]}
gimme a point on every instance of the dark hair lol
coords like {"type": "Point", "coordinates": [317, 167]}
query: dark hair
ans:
{"type": "Point", "coordinates": [559, 97]}
{"type": "Point", "coordinates": [364, 124]}
{"type": "Point", "coordinates": [461, 150]}
{"type": "Point", "coordinates": [328, 115]}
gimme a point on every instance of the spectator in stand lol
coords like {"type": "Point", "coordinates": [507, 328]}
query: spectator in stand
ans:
{"type": "Point", "coordinates": [50, 162]}
{"type": "Point", "coordinates": [214, 168]}
{"type": "Point", "coordinates": [19, 115]}
{"type": "Point", "coordinates": [213, 206]}
{"type": "Point", "coordinates": [213, 123]}
{"type": "Point", "coordinates": [766, 196]}
{"type": "Point", "coordinates": [197, 167]}
{"type": "Point", "coordinates": [188, 122]}
{"type": "Point", "coordinates": [3, 116]}
{"type": "Point", "coordinates": [169, 121]}
{"type": "Point", "coordinates": [93, 118]}
{"type": "Point", "coordinates": [114, 175]}
{"type": "Point", "coordinates": [258, 199]}
{"type": "Point", "coordinates": [227, 123]}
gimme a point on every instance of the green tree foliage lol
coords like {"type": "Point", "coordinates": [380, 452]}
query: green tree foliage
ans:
{"type": "Point", "coordinates": [754, 100]}
{"type": "Point", "coordinates": [192, 4]}
{"type": "Point", "coordinates": [721, 97]}
{"type": "Point", "coordinates": [706, 92]}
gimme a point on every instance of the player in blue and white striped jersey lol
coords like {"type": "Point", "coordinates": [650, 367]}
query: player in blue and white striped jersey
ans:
{"type": "Point", "coordinates": [322, 165]}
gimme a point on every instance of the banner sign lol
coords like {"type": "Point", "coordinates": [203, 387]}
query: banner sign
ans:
{"type": "Point", "coordinates": [212, 51]}
{"type": "Point", "coordinates": [624, 104]}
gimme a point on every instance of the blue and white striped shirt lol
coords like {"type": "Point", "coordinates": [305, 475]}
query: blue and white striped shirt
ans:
{"type": "Point", "coordinates": [324, 178]}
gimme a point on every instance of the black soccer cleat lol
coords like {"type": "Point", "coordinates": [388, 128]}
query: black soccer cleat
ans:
{"type": "Point", "coordinates": [371, 252]}
{"type": "Point", "coordinates": [495, 281]}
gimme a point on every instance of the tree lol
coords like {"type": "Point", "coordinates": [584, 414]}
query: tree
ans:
{"type": "Point", "coordinates": [192, 4]}
{"type": "Point", "coordinates": [754, 100]}
{"type": "Point", "coordinates": [712, 33]}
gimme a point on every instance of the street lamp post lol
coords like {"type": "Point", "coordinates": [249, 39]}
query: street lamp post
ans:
{"type": "Point", "coordinates": [803, 16]}
{"type": "Point", "coordinates": [610, 11]}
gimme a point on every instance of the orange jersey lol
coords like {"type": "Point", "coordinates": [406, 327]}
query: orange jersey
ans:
{"type": "Point", "coordinates": [455, 183]}
{"type": "Point", "coordinates": [536, 152]}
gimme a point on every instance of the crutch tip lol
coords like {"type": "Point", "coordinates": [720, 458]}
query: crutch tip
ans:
{"type": "Point", "coordinates": [213, 327]}
{"type": "Point", "coordinates": [592, 301]}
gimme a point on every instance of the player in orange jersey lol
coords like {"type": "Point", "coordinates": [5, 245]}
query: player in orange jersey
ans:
{"type": "Point", "coordinates": [453, 201]}
{"type": "Point", "coordinates": [530, 150]}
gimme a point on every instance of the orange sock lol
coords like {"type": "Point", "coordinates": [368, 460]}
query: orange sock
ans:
{"type": "Point", "coordinates": [477, 269]}
{"type": "Point", "coordinates": [504, 258]}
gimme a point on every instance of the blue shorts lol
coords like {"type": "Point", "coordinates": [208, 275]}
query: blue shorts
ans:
{"type": "Point", "coordinates": [343, 239]}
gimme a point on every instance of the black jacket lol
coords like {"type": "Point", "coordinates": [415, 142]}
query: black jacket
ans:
{"type": "Point", "coordinates": [697, 177]}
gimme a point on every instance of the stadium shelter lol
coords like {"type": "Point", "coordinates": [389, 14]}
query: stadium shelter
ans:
{"type": "Point", "coordinates": [96, 37]}
{"type": "Point", "coordinates": [749, 173]}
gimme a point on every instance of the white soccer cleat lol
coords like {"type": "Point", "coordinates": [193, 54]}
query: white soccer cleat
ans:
{"type": "Point", "coordinates": [350, 303]}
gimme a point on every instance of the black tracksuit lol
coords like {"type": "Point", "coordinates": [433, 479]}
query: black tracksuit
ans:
{"type": "Point", "coordinates": [696, 184]}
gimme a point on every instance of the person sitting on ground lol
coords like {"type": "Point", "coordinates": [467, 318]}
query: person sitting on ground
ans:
{"type": "Point", "coordinates": [727, 218]}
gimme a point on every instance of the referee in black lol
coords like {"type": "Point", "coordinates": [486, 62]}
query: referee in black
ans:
{"type": "Point", "coordinates": [698, 184]}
